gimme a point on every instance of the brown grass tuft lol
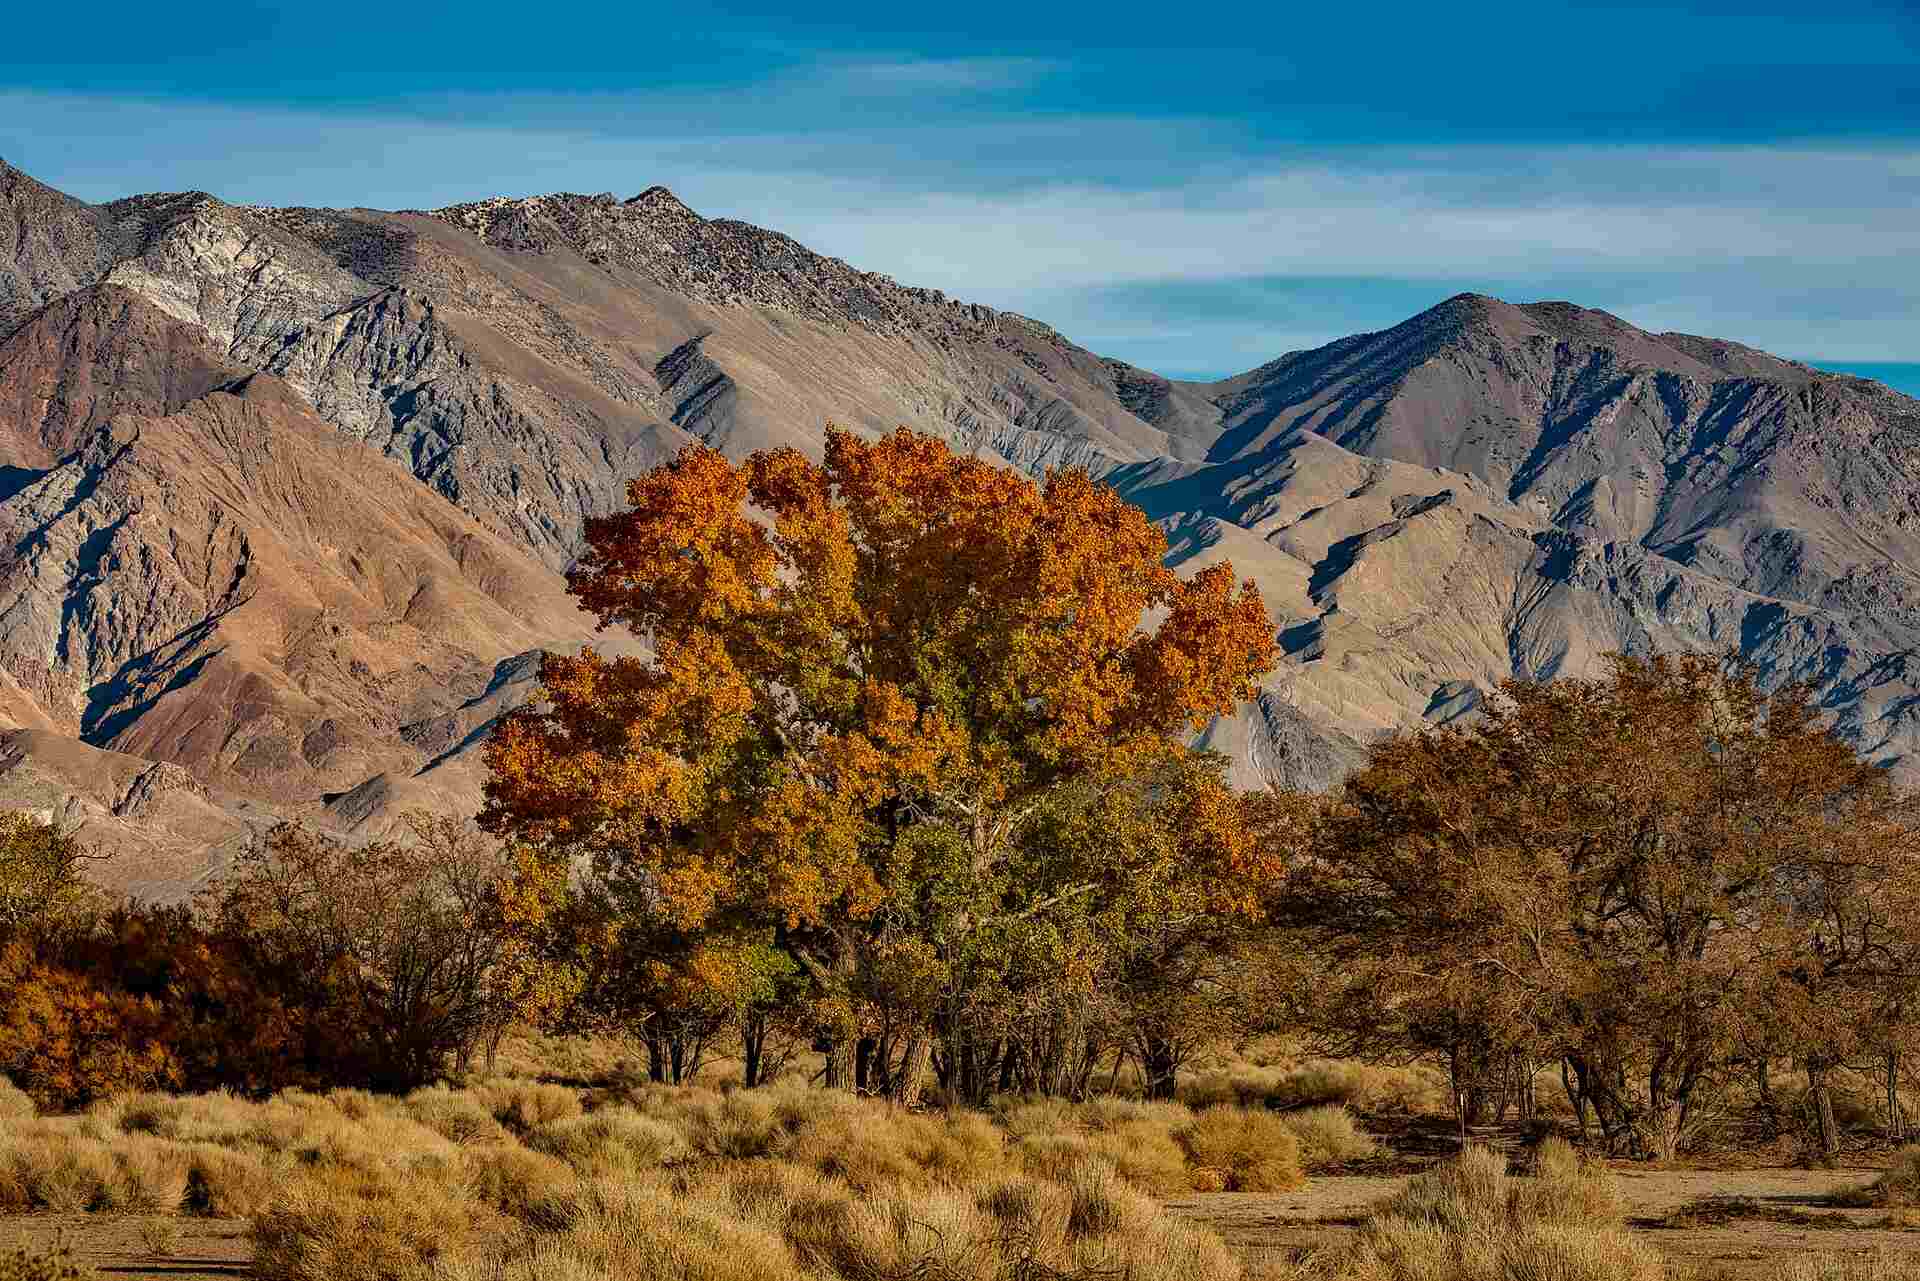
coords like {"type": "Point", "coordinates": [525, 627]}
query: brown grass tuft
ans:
{"type": "Point", "coordinates": [1250, 1151]}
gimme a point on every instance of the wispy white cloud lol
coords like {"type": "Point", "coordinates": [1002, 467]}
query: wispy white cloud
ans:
{"type": "Point", "coordinates": [923, 75]}
{"type": "Point", "coordinates": [1807, 250]}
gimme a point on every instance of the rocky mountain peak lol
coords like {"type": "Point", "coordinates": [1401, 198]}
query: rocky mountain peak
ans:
{"type": "Point", "coordinates": [658, 199]}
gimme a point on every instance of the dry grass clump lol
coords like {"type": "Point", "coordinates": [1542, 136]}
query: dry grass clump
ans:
{"type": "Point", "coordinates": [47, 1166]}
{"type": "Point", "coordinates": [1244, 1149]}
{"type": "Point", "coordinates": [224, 1183]}
{"type": "Point", "coordinates": [343, 1222]}
{"type": "Point", "coordinates": [615, 1140]}
{"type": "Point", "coordinates": [1279, 1081]}
{"type": "Point", "coordinates": [15, 1104]}
{"type": "Point", "coordinates": [1364, 1087]}
{"type": "Point", "coordinates": [21, 1264]}
{"type": "Point", "coordinates": [773, 1220]}
{"type": "Point", "coordinates": [522, 1105]}
{"type": "Point", "coordinates": [160, 1235]}
{"type": "Point", "coordinates": [1167, 1148]}
{"type": "Point", "coordinates": [1329, 1136]}
{"type": "Point", "coordinates": [529, 1186]}
{"type": "Point", "coordinates": [457, 1117]}
{"type": "Point", "coordinates": [151, 1175]}
{"type": "Point", "coordinates": [1467, 1220]}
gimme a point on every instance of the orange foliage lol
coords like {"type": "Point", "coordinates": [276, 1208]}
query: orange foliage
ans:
{"type": "Point", "coordinates": [904, 633]}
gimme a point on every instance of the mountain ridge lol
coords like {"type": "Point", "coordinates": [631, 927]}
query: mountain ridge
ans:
{"type": "Point", "coordinates": [1485, 490]}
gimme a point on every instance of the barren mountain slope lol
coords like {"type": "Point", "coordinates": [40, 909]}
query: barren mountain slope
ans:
{"type": "Point", "coordinates": [1793, 490]}
{"type": "Point", "coordinates": [286, 491]}
{"type": "Point", "coordinates": [240, 589]}
{"type": "Point", "coordinates": [1760, 471]}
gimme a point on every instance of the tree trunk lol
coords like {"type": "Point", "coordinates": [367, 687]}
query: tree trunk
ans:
{"type": "Point", "coordinates": [839, 1071]}
{"type": "Point", "coordinates": [1763, 1085]}
{"type": "Point", "coordinates": [656, 1059]}
{"type": "Point", "coordinates": [753, 1044]}
{"type": "Point", "coordinates": [1896, 1119]}
{"type": "Point", "coordinates": [904, 1087]}
{"type": "Point", "coordinates": [677, 1057]}
{"type": "Point", "coordinates": [1576, 1095]}
{"type": "Point", "coordinates": [1820, 1096]}
{"type": "Point", "coordinates": [1456, 1079]}
{"type": "Point", "coordinates": [863, 1065]}
{"type": "Point", "coordinates": [1159, 1065]}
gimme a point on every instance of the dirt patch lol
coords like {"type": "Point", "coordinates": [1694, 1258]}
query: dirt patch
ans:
{"type": "Point", "coordinates": [1743, 1221]}
{"type": "Point", "coordinates": [111, 1244]}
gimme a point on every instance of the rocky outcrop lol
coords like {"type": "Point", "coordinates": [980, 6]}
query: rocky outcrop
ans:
{"type": "Point", "coordinates": [50, 245]}
{"type": "Point", "coordinates": [242, 590]}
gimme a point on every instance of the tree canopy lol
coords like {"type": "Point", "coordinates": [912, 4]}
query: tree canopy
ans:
{"type": "Point", "coordinates": [867, 679]}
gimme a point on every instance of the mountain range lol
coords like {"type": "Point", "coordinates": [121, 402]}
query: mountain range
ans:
{"type": "Point", "coordinates": [287, 496]}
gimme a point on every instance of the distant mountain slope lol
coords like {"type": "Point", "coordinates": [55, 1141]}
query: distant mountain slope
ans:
{"type": "Point", "coordinates": [286, 494]}
{"type": "Point", "coordinates": [1640, 456]}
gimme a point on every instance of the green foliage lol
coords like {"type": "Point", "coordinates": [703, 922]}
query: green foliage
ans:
{"type": "Point", "coordinates": [40, 880]}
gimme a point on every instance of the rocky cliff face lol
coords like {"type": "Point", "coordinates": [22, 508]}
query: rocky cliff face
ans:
{"type": "Point", "coordinates": [287, 493]}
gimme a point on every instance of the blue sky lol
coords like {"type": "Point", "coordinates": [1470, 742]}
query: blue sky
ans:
{"type": "Point", "coordinates": [1194, 189]}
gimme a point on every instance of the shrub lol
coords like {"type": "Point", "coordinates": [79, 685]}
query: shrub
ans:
{"type": "Point", "coordinates": [1466, 1220]}
{"type": "Point", "coordinates": [1328, 1136]}
{"type": "Point", "coordinates": [67, 1175]}
{"type": "Point", "coordinates": [623, 1230]}
{"type": "Point", "coordinates": [57, 1265]}
{"type": "Point", "coordinates": [1250, 1151]}
{"type": "Point", "coordinates": [1054, 1156]}
{"type": "Point", "coordinates": [14, 1196]}
{"type": "Point", "coordinates": [1364, 1087]}
{"type": "Point", "coordinates": [226, 1184]}
{"type": "Point", "coordinates": [152, 1175]}
{"type": "Point", "coordinates": [1145, 1155]}
{"type": "Point", "coordinates": [341, 1222]}
{"type": "Point", "coordinates": [616, 1140]}
{"type": "Point", "coordinates": [160, 1236]}
{"type": "Point", "coordinates": [522, 1105]}
{"type": "Point", "coordinates": [1880, 1265]}
{"type": "Point", "coordinates": [1101, 1203]}
{"type": "Point", "coordinates": [529, 1186]}
{"type": "Point", "coordinates": [1566, 1189]}
{"type": "Point", "coordinates": [456, 1117]}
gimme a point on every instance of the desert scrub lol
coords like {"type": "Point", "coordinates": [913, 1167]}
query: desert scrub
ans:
{"type": "Point", "coordinates": [1238, 1149]}
{"type": "Point", "coordinates": [160, 1236]}
{"type": "Point", "coordinates": [21, 1264]}
{"type": "Point", "coordinates": [1879, 1265]}
{"type": "Point", "coordinates": [1328, 1136]}
{"type": "Point", "coordinates": [615, 1140]}
{"type": "Point", "coordinates": [513, 1181]}
{"type": "Point", "coordinates": [522, 1105]}
{"type": "Point", "coordinates": [342, 1222]}
{"type": "Point", "coordinates": [1468, 1220]}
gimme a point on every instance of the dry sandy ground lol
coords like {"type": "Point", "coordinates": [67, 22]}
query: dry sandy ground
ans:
{"type": "Point", "coordinates": [110, 1244]}
{"type": "Point", "coordinates": [1261, 1224]}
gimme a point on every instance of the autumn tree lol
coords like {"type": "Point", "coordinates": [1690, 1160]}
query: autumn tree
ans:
{"type": "Point", "coordinates": [866, 679]}
{"type": "Point", "coordinates": [40, 872]}
{"type": "Point", "coordinates": [1617, 872]}
{"type": "Point", "coordinates": [399, 954]}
